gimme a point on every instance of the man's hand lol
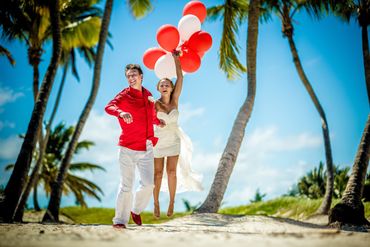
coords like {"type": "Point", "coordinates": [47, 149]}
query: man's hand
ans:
{"type": "Point", "coordinates": [127, 118]}
{"type": "Point", "coordinates": [162, 123]}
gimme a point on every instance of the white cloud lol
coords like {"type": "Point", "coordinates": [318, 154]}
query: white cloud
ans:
{"type": "Point", "coordinates": [10, 147]}
{"type": "Point", "coordinates": [187, 112]}
{"type": "Point", "coordinates": [6, 124]}
{"type": "Point", "coordinates": [7, 95]}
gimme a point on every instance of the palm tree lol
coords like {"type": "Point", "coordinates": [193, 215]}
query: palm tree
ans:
{"type": "Point", "coordinates": [59, 138]}
{"type": "Point", "coordinates": [17, 180]}
{"type": "Point", "coordinates": [232, 11]}
{"type": "Point", "coordinates": [138, 9]}
{"type": "Point", "coordinates": [83, 37]}
{"type": "Point", "coordinates": [285, 10]}
{"type": "Point", "coordinates": [312, 184]}
{"type": "Point", "coordinates": [350, 209]}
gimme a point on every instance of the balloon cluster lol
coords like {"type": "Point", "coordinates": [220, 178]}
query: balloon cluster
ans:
{"type": "Point", "coordinates": [187, 38]}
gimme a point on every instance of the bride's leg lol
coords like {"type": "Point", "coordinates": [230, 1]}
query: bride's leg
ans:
{"type": "Point", "coordinates": [171, 167]}
{"type": "Point", "coordinates": [158, 173]}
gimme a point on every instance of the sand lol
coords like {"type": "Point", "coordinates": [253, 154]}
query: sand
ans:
{"type": "Point", "coordinates": [192, 230]}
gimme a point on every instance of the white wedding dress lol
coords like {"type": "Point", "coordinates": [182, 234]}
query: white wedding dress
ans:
{"type": "Point", "coordinates": [173, 141]}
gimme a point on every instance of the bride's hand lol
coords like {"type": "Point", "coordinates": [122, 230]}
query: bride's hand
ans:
{"type": "Point", "coordinates": [162, 123]}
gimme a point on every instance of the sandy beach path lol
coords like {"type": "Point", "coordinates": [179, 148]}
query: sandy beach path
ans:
{"type": "Point", "coordinates": [193, 230]}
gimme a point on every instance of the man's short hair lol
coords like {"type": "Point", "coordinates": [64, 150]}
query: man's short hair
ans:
{"type": "Point", "coordinates": [133, 66]}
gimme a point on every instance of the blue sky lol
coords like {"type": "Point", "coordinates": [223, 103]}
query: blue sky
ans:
{"type": "Point", "coordinates": [283, 138]}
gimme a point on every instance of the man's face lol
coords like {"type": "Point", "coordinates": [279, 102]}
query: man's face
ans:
{"type": "Point", "coordinates": [134, 78]}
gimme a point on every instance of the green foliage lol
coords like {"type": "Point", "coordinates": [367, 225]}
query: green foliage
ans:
{"type": "Point", "coordinates": [258, 197]}
{"type": "Point", "coordinates": [55, 150]}
{"type": "Point", "coordinates": [233, 13]}
{"type": "Point", "coordinates": [6, 52]}
{"type": "Point", "coordinates": [139, 8]}
{"type": "Point", "coordinates": [297, 208]}
{"type": "Point", "coordinates": [79, 186]}
{"type": "Point", "coordinates": [188, 206]}
{"type": "Point", "coordinates": [312, 185]}
{"type": "Point", "coordinates": [105, 216]}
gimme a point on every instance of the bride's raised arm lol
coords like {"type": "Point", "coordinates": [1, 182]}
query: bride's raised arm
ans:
{"type": "Point", "coordinates": [178, 85]}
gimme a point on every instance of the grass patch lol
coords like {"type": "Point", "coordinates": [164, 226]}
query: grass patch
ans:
{"type": "Point", "coordinates": [287, 207]}
{"type": "Point", "coordinates": [105, 216]}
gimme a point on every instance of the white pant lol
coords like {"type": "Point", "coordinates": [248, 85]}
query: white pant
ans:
{"type": "Point", "coordinates": [128, 160]}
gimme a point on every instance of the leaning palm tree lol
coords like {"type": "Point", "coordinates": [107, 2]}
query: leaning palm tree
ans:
{"type": "Point", "coordinates": [350, 209]}
{"type": "Point", "coordinates": [75, 184]}
{"type": "Point", "coordinates": [18, 177]}
{"type": "Point", "coordinates": [358, 10]}
{"type": "Point", "coordinates": [285, 10]}
{"type": "Point", "coordinates": [138, 8]}
{"type": "Point", "coordinates": [232, 11]}
{"type": "Point", "coordinates": [83, 37]}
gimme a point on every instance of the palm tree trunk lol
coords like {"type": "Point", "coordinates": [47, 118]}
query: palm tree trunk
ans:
{"type": "Point", "coordinates": [350, 209]}
{"type": "Point", "coordinates": [366, 55]}
{"type": "Point", "coordinates": [52, 212]}
{"type": "Point", "coordinates": [34, 58]}
{"type": "Point", "coordinates": [36, 75]}
{"type": "Point", "coordinates": [36, 205]}
{"type": "Point", "coordinates": [18, 177]}
{"type": "Point", "coordinates": [229, 156]}
{"type": "Point", "coordinates": [33, 181]}
{"type": "Point", "coordinates": [329, 188]}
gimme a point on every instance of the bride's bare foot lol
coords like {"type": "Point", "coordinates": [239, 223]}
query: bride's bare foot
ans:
{"type": "Point", "coordinates": [157, 211]}
{"type": "Point", "coordinates": [170, 209]}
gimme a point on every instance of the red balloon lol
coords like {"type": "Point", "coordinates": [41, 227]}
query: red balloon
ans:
{"type": "Point", "coordinates": [151, 56]}
{"type": "Point", "coordinates": [200, 41]}
{"type": "Point", "coordinates": [196, 8]}
{"type": "Point", "coordinates": [168, 37]}
{"type": "Point", "coordinates": [190, 60]}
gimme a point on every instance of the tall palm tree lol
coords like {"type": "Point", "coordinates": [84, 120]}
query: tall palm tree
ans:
{"type": "Point", "coordinates": [138, 9]}
{"type": "Point", "coordinates": [358, 10]}
{"type": "Point", "coordinates": [232, 11]}
{"type": "Point", "coordinates": [59, 138]}
{"type": "Point", "coordinates": [18, 177]}
{"type": "Point", "coordinates": [83, 37]}
{"type": "Point", "coordinates": [285, 10]}
{"type": "Point", "coordinates": [350, 209]}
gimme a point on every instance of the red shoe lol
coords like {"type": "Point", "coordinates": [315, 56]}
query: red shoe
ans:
{"type": "Point", "coordinates": [119, 226]}
{"type": "Point", "coordinates": [136, 218]}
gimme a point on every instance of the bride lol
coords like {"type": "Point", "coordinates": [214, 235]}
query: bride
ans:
{"type": "Point", "coordinates": [174, 147]}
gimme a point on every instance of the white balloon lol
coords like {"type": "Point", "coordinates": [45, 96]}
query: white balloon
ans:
{"type": "Point", "coordinates": [165, 67]}
{"type": "Point", "coordinates": [188, 25]}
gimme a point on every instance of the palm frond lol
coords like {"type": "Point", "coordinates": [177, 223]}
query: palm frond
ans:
{"type": "Point", "coordinates": [344, 9]}
{"type": "Point", "coordinates": [9, 167]}
{"type": "Point", "coordinates": [83, 145]}
{"type": "Point", "coordinates": [82, 166]}
{"type": "Point", "coordinates": [139, 8]}
{"type": "Point", "coordinates": [215, 12]}
{"type": "Point", "coordinates": [315, 8]}
{"type": "Point", "coordinates": [84, 33]}
{"type": "Point", "coordinates": [73, 63]}
{"type": "Point", "coordinates": [229, 48]}
{"type": "Point", "coordinates": [5, 52]}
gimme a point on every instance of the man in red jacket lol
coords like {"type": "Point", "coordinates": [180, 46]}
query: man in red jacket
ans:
{"type": "Point", "coordinates": [134, 108]}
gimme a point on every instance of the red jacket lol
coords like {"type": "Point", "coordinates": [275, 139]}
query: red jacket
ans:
{"type": "Point", "coordinates": [142, 110]}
